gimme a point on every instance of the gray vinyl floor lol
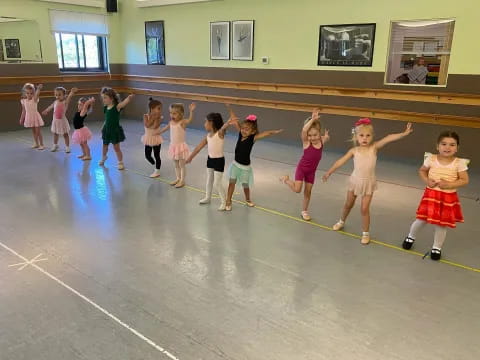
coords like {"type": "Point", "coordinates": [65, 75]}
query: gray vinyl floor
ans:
{"type": "Point", "coordinates": [114, 265]}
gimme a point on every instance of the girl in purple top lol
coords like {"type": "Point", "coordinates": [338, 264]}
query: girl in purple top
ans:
{"type": "Point", "coordinates": [312, 154]}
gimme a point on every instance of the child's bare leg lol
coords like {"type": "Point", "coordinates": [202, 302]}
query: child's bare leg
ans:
{"type": "Point", "coordinates": [35, 137]}
{"type": "Point", "coordinates": [86, 150]}
{"type": "Point", "coordinates": [246, 191]}
{"type": "Point", "coordinates": [347, 207]}
{"type": "Point", "coordinates": [104, 154]}
{"type": "Point", "coordinates": [295, 186]}
{"type": "Point", "coordinates": [183, 173]}
{"type": "Point", "coordinates": [307, 194]}
{"type": "Point", "coordinates": [39, 136]}
{"type": "Point", "coordinates": [55, 139]}
{"type": "Point", "coordinates": [365, 211]}
{"type": "Point", "coordinates": [67, 139]}
{"type": "Point", "coordinates": [231, 189]}
{"type": "Point", "coordinates": [118, 152]}
{"type": "Point", "coordinates": [176, 163]}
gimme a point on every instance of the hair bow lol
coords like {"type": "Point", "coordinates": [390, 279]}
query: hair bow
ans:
{"type": "Point", "coordinates": [363, 121]}
{"type": "Point", "coordinates": [251, 117]}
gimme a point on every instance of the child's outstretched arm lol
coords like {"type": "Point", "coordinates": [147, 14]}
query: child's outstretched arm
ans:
{"type": "Point", "coordinates": [394, 137]}
{"type": "Point", "coordinates": [267, 133]}
{"type": "Point", "coordinates": [72, 92]}
{"type": "Point", "coordinates": [37, 92]}
{"type": "Point", "coordinates": [125, 102]}
{"type": "Point", "coordinates": [86, 106]}
{"type": "Point", "coordinates": [48, 109]}
{"type": "Point", "coordinates": [165, 128]}
{"type": "Point", "coordinates": [308, 124]}
{"type": "Point", "coordinates": [191, 109]}
{"type": "Point", "coordinates": [197, 150]}
{"type": "Point", "coordinates": [233, 118]}
{"type": "Point", "coordinates": [339, 163]}
{"type": "Point", "coordinates": [221, 131]}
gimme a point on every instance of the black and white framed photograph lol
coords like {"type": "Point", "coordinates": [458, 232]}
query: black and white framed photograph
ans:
{"type": "Point", "coordinates": [242, 40]}
{"type": "Point", "coordinates": [220, 40]}
{"type": "Point", "coordinates": [12, 48]}
{"type": "Point", "coordinates": [155, 42]}
{"type": "Point", "coordinates": [2, 58]}
{"type": "Point", "coordinates": [346, 45]}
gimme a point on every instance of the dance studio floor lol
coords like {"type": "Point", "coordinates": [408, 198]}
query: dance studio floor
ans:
{"type": "Point", "coordinates": [101, 264]}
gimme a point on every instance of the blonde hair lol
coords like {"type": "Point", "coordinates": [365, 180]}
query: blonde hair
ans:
{"type": "Point", "coordinates": [357, 129]}
{"type": "Point", "coordinates": [178, 107]}
{"type": "Point", "coordinates": [315, 125]}
{"type": "Point", "coordinates": [27, 86]}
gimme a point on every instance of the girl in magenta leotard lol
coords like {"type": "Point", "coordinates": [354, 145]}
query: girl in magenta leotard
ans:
{"type": "Point", "coordinates": [312, 154]}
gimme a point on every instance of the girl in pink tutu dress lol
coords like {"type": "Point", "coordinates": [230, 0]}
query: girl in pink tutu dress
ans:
{"type": "Point", "coordinates": [152, 139]}
{"type": "Point", "coordinates": [178, 150]}
{"type": "Point", "coordinates": [82, 134]}
{"type": "Point", "coordinates": [60, 124]}
{"type": "Point", "coordinates": [363, 182]}
{"type": "Point", "coordinates": [30, 117]}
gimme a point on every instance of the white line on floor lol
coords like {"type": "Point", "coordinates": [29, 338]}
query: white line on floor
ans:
{"type": "Point", "coordinates": [24, 264]}
{"type": "Point", "coordinates": [98, 307]}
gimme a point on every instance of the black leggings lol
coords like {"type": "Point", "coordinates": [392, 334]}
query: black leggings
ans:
{"type": "Point", "coordinates": [156, 152]}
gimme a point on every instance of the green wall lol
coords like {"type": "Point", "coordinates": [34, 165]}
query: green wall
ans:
{"type": "Point", "coordinates": [27, 34]}
{"type": "Point", "coordinates": [287, 31]}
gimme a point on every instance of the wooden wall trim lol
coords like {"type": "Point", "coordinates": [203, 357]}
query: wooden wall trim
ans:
{"type": "Point", "coordinates": [20, 80]}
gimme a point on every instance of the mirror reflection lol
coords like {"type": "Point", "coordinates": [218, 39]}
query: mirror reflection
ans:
{"type": "Point", "coordinates": [19, 40]}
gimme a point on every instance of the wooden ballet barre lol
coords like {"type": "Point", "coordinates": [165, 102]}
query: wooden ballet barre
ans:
{"type": "Point", "coordinates": [20, 80]}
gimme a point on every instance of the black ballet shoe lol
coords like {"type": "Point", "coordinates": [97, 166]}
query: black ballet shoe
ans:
{"type": "Point", "coordinates": [435, 254]}
{"type": "Point", "coordinates": [408, 243]}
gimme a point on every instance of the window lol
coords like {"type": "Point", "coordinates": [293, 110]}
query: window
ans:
{"type": "Point", "coordinates": [155, 42]}
{"type": "Point", "coordinates": [79, 52]}
{"type": "Point", "coordinates": [419, 52]}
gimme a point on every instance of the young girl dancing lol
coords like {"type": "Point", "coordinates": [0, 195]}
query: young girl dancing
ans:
{"type": "Point", "coordinates": [60, 124]}
{"type": "Point", "coordinates": [152, 139]}
{"type": "Point", "coordinates": [216, 160]}
{"type": "Point", "coordinates": [440, 206]}
{"type": "Point", "coordinates": [82, 134]}
{"type": "Point", "coordinates": [240, 170]}
{"type": "Point", "coordinates": [178, 149]}
{"type": "Point", "coordinates": [112, 132]}
{"type": "Point", "coordinates": [313, 142]}
{"type": "Point", "coordinates": [362, 181]}
{"type": "Point", "coordinates": [30, 117]}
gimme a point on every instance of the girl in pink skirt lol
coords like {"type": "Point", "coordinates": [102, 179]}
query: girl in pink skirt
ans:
{"type": "Point", "coordinates": [178, 150]}
{"type": "Point", "coordinates": [30, 117]}
{"type": "Point", "coordinates": [82, 134]}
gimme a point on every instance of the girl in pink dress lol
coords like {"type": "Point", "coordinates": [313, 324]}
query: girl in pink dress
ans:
{"type": "Point", "coordinates": [30, 117]}
{"type": "Point", "coordinates": [178, 150]}
{"type": "Point", "coordinates": [313, 142]}
{"type": "Point", "coordinates": [362, 182]}
{"type": "Point", "coordinates": [60, 124]}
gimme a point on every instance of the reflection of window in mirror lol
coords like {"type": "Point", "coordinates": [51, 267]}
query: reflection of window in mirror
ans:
{"type": "Point", "coordinates": [419, 52]}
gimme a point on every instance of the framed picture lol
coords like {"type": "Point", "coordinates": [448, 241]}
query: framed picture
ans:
{"type": "Point", "coordinates": [242, 40]}
{"type": "Point", "coordinates": [346, 45]}
{"type": "Point", "coordinates": [12, 48]}
{"type": "Point", "coordinates": [1, 51]}
{"type": "Point", "coordinates": [155, 42]}
{"type": "Point", "coordinates": [220, 40]}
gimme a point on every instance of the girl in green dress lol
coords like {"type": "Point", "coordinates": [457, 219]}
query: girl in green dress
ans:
{"type": "Point", "coordinates": [112, 132]}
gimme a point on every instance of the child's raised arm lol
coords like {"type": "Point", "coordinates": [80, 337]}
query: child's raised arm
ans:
{"type": "Point", "coordinates": [233, 118]}
{"type": "Point", "coordinates": [72, 92]}
{"type": "Point", "coordinates": [86, 106]}
{"type": "Point", "coordinates": [308, 124]}
{"type": "Point", "coordinates": [221, 131]}
{"type": "Point", "coordinates": [393, 137]}
{"type": "Point", "coordinates": [267, 133]}
{"type": "Point", "coordinates": [326, 136]}
{"type": "Point", "coordinates": [125, 102]}
{"type": "Point", "coordinates": [37, 92]}
{"type": "Point", "coordinates": [339, 163]}
{"type": "Point", "coordinates": [197, 150]}
{"type": "Point", "coordinates": [191, 109]}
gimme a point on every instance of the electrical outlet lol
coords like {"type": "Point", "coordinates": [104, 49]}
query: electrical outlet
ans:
{"type": "Point", "coordinates": [265, 60]}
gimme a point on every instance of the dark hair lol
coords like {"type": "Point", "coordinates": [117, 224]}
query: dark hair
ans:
{"type": "Point", "coordinates": [448, 134]}
{"type": "Point", "coordinates": [112, 94]}
{"type": "Point", "coordinates": [216, 120]}
{"type": "Point", "coordinates": [83, 100]}
{"type": "Point", "coordinates": [152, 104]}
{"type": "Point", "coordinates": [62, 89]}
{"type": "Point", "coordinates": [253, 124]}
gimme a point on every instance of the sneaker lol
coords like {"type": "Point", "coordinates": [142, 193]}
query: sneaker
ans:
{"type": "Point", "coordinates": [338, 226]}
{"type": "Point", "coordinates": [408, 243]}
{"type": "Point", "coordinates": [54, 148]}
{"type": "Point", "coordinates": [121, 166]}
{"type": "Point", "coordinates": [222, 207]}
{"type": "Point", "coordinates": [204, 201]}
{"type": "Point", "coordinates": [67, 150]}
{"type": "Point", "coordinates": [102, 162]}
{"type": "Point", "coordinates": [365, 238]}
{"type": "Point", "coordinates": [155, 174]}
{"type": "Point", "coordinates": [435, 254]}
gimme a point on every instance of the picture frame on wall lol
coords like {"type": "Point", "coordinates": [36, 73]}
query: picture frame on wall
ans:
{"type": "Point", "coordinates": [2, 58]}
{"type": "Point", "coordinates": [12, 48]}
{"type": "Point", "coordinates": [346, 45]}
{"type": "Point", "coordinates": [242, 39]}
{"type": "Point", "coordinates": [220, 40]}
{"type": "Point", "coordinates": [155, 42]}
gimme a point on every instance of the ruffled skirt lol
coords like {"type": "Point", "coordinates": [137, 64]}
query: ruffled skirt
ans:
{"type": "Point", "coordinates": [440, 208]}
{"type": "Point", "coordinates": [361, 187]}
{"type": "Point", "coordinates": [152, 140]}
{"type": "Point", "coordinates": [81, 136]}
{"type": "Point", "coordinates": [112, 135]}
{"type": "Point", "coordinates": [60, 126]}
{"type": "Point", "coordinates": [241, 174]}
{"type": "Point", "coordinates": [33, 120]}
{"type": "Point", "coordinates": [178, 151]}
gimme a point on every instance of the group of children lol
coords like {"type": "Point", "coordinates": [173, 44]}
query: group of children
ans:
{"type": "Point", "coordinates": [442, 173]}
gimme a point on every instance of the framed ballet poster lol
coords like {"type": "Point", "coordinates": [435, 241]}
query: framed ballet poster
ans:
{"type": "Point", "coordinates": [220, 40]}
{"type": "Point", "coordinates": [242, 40]}
{"type": "Point", "coordinates": [346, 45]}
{"type": "Point", "coordinates": [12, 48]}
{"type": "Point", "coordinates": [2, 58]}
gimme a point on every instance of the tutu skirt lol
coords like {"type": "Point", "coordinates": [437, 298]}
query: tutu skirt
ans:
{"type": "Point", "coordinates": [178, 151]}
{"type": "Point", "coordinates": [152, 140]}
{"type": "Point", "coordinates": [81, 136]}
{"type": "Point", "coordinates": [241, 174]}
{"type": "Point", "coordinates": [60, 126]}
{"type": "Point", "coordinates": [33, 120]}
{"type": "Point", "coordinates": [361, 187]}
{"type": "Point", "coordinates": [112, 135]}
{"type": "Point", "coordinates": [440, 208]}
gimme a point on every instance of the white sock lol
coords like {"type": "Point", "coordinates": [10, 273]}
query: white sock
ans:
{"type": "Point", "coordinates": [208, 187]}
